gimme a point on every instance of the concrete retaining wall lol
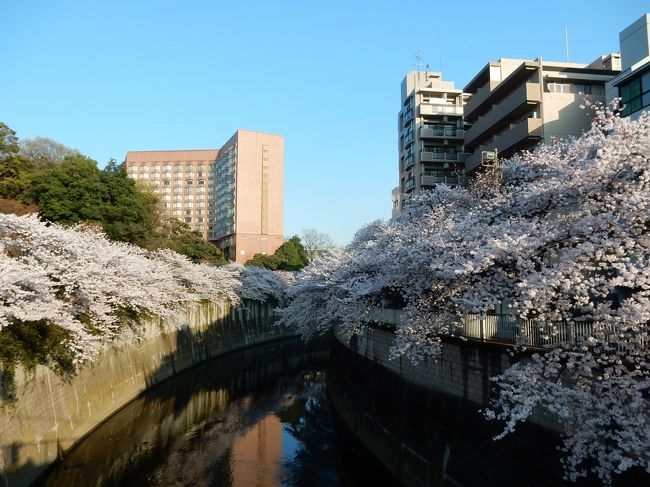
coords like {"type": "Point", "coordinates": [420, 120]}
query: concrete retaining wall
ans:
{"type": "Point", "coordinates": [423, 422]}
{"type": "Point", "coordinates": [50, 413]}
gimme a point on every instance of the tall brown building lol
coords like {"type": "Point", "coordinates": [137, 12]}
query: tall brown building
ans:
{"type": "Point", "coordinates": [233, 196]}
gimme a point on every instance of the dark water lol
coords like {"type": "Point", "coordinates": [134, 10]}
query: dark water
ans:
{"type": "Point", "coordinates": [253, 418]}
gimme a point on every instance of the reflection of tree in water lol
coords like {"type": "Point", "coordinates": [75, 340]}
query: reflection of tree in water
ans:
{"type": "Point", "coordinates": [309, 421]}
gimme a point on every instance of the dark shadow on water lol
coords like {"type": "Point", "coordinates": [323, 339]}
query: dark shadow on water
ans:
{"type": "Point", "coordinates": [194, 428]}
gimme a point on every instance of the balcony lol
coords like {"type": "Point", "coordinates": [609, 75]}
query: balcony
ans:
{"type": "Point", "coordinates": [427, 180]}
{"type": "Point", "coordinates": [440, 157]}
{"type": "Point", "coordinates": [410, 161]}
{"type": "Point", "coordinates": [439, 133]}
{"type": "Point", "coordinates": [408, 115]}
{"type": "Point", "coordinates": [408, 138]}
{"type": "Point", "coordinates": [409, 184]}
{"type": "Point", "coordinates": [519, 136]}
{"type": "Point", "coordinates": [431, 109]}
{"type": "Point", "coordinates": [478, 98]}
{"type": "Point", "coordinates": [512, 106]}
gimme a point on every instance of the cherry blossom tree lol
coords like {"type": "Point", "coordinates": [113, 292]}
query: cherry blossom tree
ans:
{"type": "Point", "coordinates": [77, 280]}
{"type": "Point", "coordinates": [560, 239]}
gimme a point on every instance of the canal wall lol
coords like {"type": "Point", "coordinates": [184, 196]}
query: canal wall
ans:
{"type": "Point", "coordinates": [423, 422]}
{"type": "Point", "coordinates": [49, 413]}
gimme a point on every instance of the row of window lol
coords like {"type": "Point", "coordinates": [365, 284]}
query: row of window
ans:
{"type": "Point", "coordinates": [177, 167]}
{"type": "Point", "coordinates": [179, 204]}
{"type": "Point", "coordinates": [558, 87]}
{"type": "Point", "coordinates": [168, 197]}
{"type": "Point", "coordinates": [635, 94]}
{"type": "Point", "coordinates": [166, 175]}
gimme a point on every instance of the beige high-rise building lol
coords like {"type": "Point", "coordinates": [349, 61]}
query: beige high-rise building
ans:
{"type": "Point", "coordinates": [517, 103]}
{"type": "Point", "coordinates": [431, 129]}
{"type": "Point", "coordinates": [234, 196]}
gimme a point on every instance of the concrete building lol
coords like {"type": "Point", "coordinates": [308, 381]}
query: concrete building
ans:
{"type": "Point", "coordinates": [632, 85]}
{"type": "Point", "coordinates": [517, 103]}
{"type": "Point", "coordinates": [234, 196]}
{"type": "Point", "coordinates": [430, 127]}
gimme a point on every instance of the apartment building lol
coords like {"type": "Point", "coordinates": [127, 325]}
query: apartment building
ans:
{"type": "Point", "coordinates": [234, 196]}
{"type": "Point", "coordinates": [632, 85]}
{"type": "Point", "coordinates": [430, 128]}
{"type": "Point", "coordinates": [516, 103]}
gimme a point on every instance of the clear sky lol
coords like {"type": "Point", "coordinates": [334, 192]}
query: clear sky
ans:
{"type": "Point", "coordinates": [113, 76]}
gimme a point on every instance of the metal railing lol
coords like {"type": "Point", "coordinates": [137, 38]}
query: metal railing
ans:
{"type": "Point", "coordinates": [501, 328]}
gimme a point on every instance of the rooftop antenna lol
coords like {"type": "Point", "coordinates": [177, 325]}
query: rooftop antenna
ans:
{"type": "Point", "coordinates": [566, 42]}
{"type": "Point", "coordinates": [440, 54]}
{"type": "Point", "coordinates": [418, 60]}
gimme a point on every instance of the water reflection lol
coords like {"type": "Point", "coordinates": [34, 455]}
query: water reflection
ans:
{"type": "Point", "coordinates": [254, 418]}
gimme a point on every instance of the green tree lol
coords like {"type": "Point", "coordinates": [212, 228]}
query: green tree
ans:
{"type": "Point", "coordinates": [181, 238]}
{"type": "Point", "coordinates": [14, 169]}
{"type": "Point", "coordinates": [271, 262]}
{"type": "Point", "coordinates": [70, 192]}
{"type": "Point", "coordinates": [292, 255]}
{"type": "Point", "coordinates": [128, 214]}
{"type": "Point", "coordinates": [76, 191]}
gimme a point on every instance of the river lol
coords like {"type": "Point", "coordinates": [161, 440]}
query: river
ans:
{"type": "Point", "coordinates": [258, 417]}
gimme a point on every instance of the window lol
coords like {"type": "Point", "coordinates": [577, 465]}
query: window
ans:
{"type": "Point", "coordinates": [188, 219]}
{"type": "Point", "coordinates": [554, 87]}
{"type": "Point", "coordinates": [188, 212]}
{"type": "Point", "coordinates": [635, 94]}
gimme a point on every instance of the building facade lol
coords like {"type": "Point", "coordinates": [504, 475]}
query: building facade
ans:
{"type": "Point", "coordinates": [430, 128]}
{"type": "Point", "coordinates": [632, 85]}
{"type": "Point", "coordinates": [234, 196]}
{"type": "Point", "coordinates": [516, 103]}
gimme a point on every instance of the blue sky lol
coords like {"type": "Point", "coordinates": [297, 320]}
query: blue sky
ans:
{"type": "Point", "coordinates": [113, 76]}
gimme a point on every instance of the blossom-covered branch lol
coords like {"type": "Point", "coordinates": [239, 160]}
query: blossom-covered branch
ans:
{"type": "Point", "coordinates": [561, 238]}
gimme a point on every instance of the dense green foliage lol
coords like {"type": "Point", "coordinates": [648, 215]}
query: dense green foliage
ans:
{"type": "Point", "coordinates": [14, 168]}
{"type": "Point", "coordinates": [69, 188]}
{"type": "Point", "coordinates": [181, 239]}
{"type": "Point", "coordinates": [77, 191]}
{"type": "Point", "coordinates": [263, 260]}
{"type": "Point", "coordinates": [31, 344]}
{"type": "Point", "coordinates": [290, 256]}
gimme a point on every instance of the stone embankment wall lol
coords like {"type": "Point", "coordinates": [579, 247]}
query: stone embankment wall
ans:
{"type": "Point", "coordinates": [49, 413]}
{"type": "Point", "coordinates": [423, 422]}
